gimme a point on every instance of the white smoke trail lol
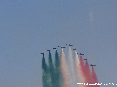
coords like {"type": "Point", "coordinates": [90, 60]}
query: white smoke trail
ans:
{"type": "Point", "coordinates": [79, 76]}
{"type": "Point", "coordinates": [66, 82]}
{"type": "Point", "coordinates": [71, 68]}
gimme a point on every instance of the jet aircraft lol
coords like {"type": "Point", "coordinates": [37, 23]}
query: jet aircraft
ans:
{"type": "Point", "coordinates": [62, 47]}
{"type": "Point", "coordinates": [81, 54]}
{"type": "Point", "coordinates": [43, 54]}
{"type": "Point", "coordinates": [85, 59]}
{"type": "Point", "coordinates": [74, 49]}
{"type": "Point", "coordinates": [92, 65]}
{"type": "Point", "coordinates": [70, 45]}
{"type": "Point", "coordinates": [48, 50]}
{"type": "Point", "coordinates": [54, 48]}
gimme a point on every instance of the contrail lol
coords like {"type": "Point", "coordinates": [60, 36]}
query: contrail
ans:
{"type": "Point", "coordinates": [78, 73]}
{"type": "Point", "coordinates": [71, 68]}
{"type": "Point", "coordinates": [66, 82]}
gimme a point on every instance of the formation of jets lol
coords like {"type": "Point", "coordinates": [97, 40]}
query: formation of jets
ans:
{"type": "Point", "coordinates": [73, 49]}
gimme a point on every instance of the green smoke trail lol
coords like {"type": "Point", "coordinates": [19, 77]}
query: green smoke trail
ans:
{"type": "Point", "coordinates": [44, 65]}
{"type": "Point", "coordinates": [45, 73]}
{"type": "Point", "coordinates": [57, 70]}
{"type": "Point", "coordinates": [45, 76]}
{"type": "Point", "coordinates": [57, 60]}
{"type": "Point", "coordinates": [51, 70]}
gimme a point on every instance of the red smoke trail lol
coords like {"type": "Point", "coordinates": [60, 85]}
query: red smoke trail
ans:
{"type": "Point", "coordinates": [94, 77]}
{"type": "Point", "coordinates": [83, 71]}
{"type": "Point", "coordinates": [82, 65]}
{"type": "Point", "coordinates": [66, 82]}
{"type": "Point", "coordinates": [88, 74]}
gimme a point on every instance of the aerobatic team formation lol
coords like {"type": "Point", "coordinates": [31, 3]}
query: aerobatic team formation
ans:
{"type": "Point", "coordinates": [70, 71]}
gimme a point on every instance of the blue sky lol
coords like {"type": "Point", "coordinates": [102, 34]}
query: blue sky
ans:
{"type": "Point", "coordinates": [28, 27]}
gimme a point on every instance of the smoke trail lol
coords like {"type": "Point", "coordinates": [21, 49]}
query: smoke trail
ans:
{"type": "Point", "coordinates": [45, 74]}
{"type": "Point", "coordinates": [57, 60]}
{"type": "Point", "coordinates": [71, 68]}
{"type": "Point", "coordinates": [55, 74]}
{"type": "Point", "coordinates": [44, 65]}
{"type": "Point", "coordinates": [94, 76]}
{"type": "Point", "coordinates": [66, 82]}
{"type": "Point", "coordinates": [78, 72]}
{"type": "Point", "coordinates": [82, 67]}
{"type": "Point", "coordinates": [51, 70]}
{"type": "Point", "coordinates": [57, 70]}
{"type": "Point", "coordinates": [88, 74]}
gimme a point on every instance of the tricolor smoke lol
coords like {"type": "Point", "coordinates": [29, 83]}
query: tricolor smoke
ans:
{"type": "Point", "coordinates": [67, 74]}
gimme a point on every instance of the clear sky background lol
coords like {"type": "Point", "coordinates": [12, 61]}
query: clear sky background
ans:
{"type": "Point", "coordinates": [29, 27]}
